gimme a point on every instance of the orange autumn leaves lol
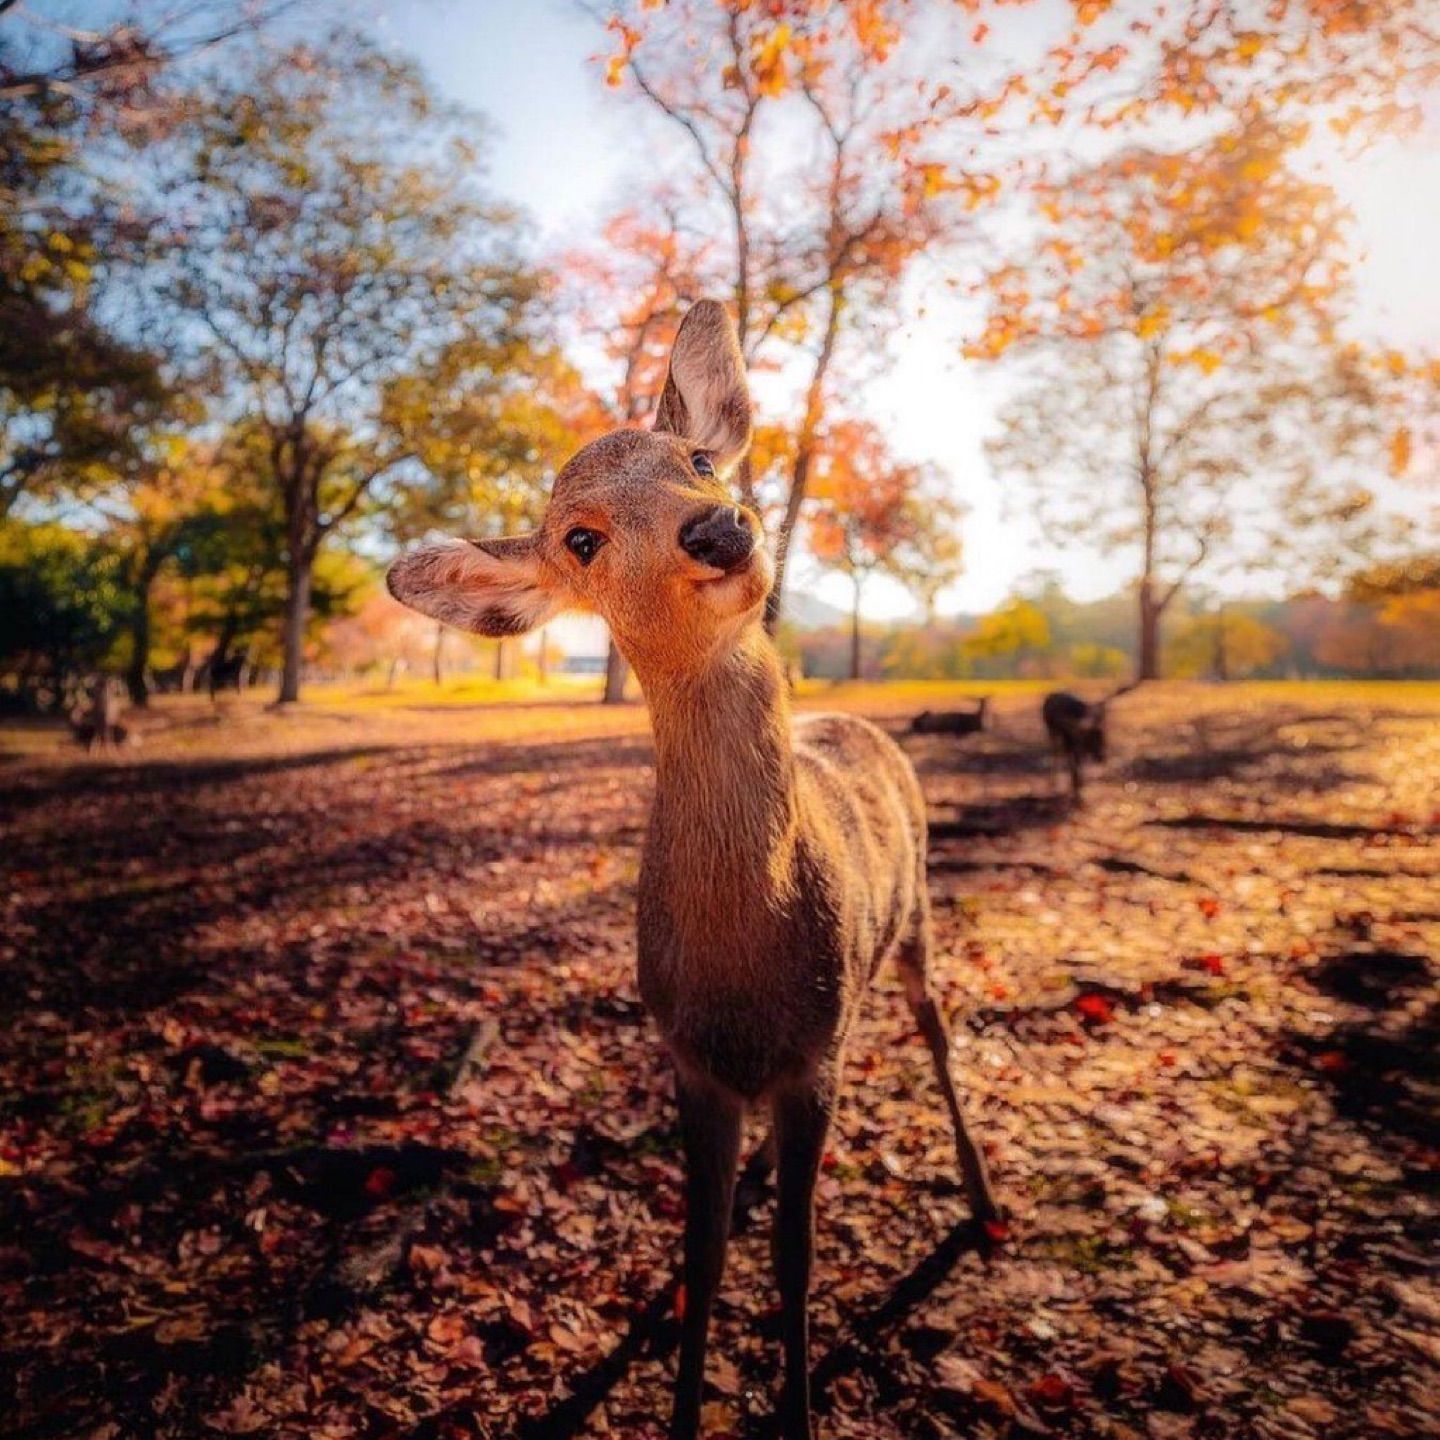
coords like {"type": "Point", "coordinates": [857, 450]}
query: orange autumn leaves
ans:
{"type": "Point", "coordinates": [1197, 251]}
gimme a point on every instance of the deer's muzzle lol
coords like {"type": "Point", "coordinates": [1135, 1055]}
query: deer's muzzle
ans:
{"type": "Point", "coordinates": [720, 537]}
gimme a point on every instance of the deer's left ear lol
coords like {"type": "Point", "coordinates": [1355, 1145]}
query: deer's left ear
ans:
{"type": "Point", "coordinates": [706, 400]}
{"type": "Point", "coordinates": [490, 587]}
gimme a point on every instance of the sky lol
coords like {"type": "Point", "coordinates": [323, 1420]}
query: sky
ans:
{"type": "Point", "coordinates": [566, 149]}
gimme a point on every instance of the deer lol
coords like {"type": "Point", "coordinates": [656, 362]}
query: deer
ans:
{"type": "Point", "coordinates": [952, 722]}
{"type": "Point", "coordinates": [784, 860]}
{"type": "Point", "coordinates": [96, 725]}
{"type": "Point", "coordinates": [1076, 729]}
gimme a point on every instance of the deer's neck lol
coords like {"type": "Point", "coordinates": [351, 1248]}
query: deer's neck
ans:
{"type": "Point", "coordinates": [724, 823]}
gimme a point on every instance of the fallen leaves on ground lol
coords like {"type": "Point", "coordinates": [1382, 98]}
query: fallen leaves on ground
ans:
{"type": "Point", "coordinates": [328, 1106]}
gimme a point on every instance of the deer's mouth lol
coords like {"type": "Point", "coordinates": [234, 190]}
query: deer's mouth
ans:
{"type": "Point", "coordinates": [744, 583]}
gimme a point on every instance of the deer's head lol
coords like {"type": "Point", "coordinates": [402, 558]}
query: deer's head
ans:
{"type": "Point", "coordinates": [640, 528]}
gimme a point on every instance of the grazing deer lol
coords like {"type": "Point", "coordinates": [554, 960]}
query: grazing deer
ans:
{"type": "Point", "coordinates": [783, 863]}
{"type": "Point", "coordinates": [97, 725]}
{"type": "Point", "coordinates": [952, 722]}
{"type": "Point", "coordinates": [1077, 732]}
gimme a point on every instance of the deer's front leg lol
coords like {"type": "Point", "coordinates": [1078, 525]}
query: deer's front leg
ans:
{"type": "Point", "coordinates": [710, 1123]}
{"type": "Point", "coordinates": [802, 1118]}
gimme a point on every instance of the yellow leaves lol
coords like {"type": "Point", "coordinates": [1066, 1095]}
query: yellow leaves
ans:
{"type": "Point", "coordinates": [1205, 360]}
{"type": "Point", "coordinates": [1248, 45]}
{"type": "Point", "coordinates": [978, 189]}
{"type": "Point", "coordinates": [1087, 12]}
{"type": "Point", "coordinates": [933, 180]}
{"type": "Point", "coordinates": [769, 61]}
{"type": "Point", "coordinates": [615, 71]}
{"type": "Point", "coordinates": [1153, 322]}
{"type": "Point", "coordinates": [1400, 445]}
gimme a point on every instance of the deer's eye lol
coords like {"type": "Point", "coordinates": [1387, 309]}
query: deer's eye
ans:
{"type": "Point", "coordinates": [583, 544]}
{"type": "Point", "coordinates": [703, 464]}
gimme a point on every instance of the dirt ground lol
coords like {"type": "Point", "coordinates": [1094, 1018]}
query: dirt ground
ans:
{"type": "Point", "coordinates": [328, 1107]}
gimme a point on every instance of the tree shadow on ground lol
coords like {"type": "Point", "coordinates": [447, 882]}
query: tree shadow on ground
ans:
{"type": "Point", "coordinates": [1001, 817]}
{"type": "Point", "coordinates": [1382, 1066]}
{"type": "Point", "coordinates": [651, 1331]}
{"type": "Point", "coordinates": [1239, 746]}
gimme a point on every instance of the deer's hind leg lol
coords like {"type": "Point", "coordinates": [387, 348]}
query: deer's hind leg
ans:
{"type": "Point", "coordinates": [914, 963]}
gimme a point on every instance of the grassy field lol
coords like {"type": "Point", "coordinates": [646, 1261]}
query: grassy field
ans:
{"type": "Point", "coordinates": [328, 1108]}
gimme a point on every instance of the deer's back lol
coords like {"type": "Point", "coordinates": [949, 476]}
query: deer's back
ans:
{"type": "Point", "coordinates": [1062, 711]}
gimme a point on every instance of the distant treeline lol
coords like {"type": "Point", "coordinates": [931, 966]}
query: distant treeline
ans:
{"type": "Point", "coordinates": [1046, 635]}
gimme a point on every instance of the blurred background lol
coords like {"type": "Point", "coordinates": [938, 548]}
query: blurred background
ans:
{"type": "Point", "coordinates": [1086, 340]}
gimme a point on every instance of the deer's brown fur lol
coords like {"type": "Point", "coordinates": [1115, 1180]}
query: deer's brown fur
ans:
{"type": "Point", "coordinates": [784, 861]}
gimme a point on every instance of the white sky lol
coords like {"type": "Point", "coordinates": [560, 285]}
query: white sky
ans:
{"type": "Point", "coordinates": [566, 147]}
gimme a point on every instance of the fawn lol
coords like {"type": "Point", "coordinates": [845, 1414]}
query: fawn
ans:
{"type": "Point", "coordinates": [1077, 731]}
{"type": "Point", "coordinates": [782, 864]}
{"type": "Point", "coordinates": [952, 722]}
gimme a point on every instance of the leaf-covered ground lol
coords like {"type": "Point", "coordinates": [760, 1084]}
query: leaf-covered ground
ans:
{"type": "Point", "coordinates": [328, 1108]}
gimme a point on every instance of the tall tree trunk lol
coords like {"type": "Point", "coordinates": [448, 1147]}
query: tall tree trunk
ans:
{"type": "Point", "coordinates": [1149, 637]}
{"type": "Point", "coordinates": [502, 656]}
{"type": "Point", "coordinates": [542, 659]}
{"type": "Point", "coordinates": [437, 656]}
{"type": "Point", "coordinates": [1221, 660]}
{"type": "Point", "coordinates": [617, 672]}
{"type": "Point", "coordinates": [855, 633]}
{"type": "Point", "coordinates": [804, 459]}
{"type": "Point", "coordinates": [1148, 658]}
{"type": "Point", "coordinates": [297, 612]}
{"type": "Point", "coordinates": [136, 674]}
{"type": "Point", "coordinates": [217, 665]}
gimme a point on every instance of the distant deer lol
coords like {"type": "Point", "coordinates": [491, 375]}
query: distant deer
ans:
{"type": "Point", "coordinates": [1077, 732]}
{"type": "Point", "coordinates": [952, 722]}
{"type": "Point", "coordinates": [97, 725]}
{"type": "Point", "coordinates": [783, 864]}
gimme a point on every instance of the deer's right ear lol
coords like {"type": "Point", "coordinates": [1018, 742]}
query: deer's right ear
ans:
{"type": "Point", "coordinates": [706, 400]}
{"type": "Point", "coordinates": [490, 587]}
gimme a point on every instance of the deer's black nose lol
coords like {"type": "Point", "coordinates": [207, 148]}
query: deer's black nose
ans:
{"type": "Point", "coordinates": [721, 537]}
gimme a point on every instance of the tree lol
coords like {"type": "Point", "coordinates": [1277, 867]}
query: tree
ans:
{"type": "Point", "coordinates": [1361, 68]}
{"type": "Point", "coordinates": [632, 293]}
{"type": "Point", "coordinates": [1018, 628]}
{"type": "Point", "coordinates": [1404, 575]}
{"type": "Point", "coordinates": [488, 425]}
{"type": "Point", "coordinates": [62, 608]}
{"type": "Point", "coordinates": [121, 59]}
{"type": "Point", "coordinates": [330, 243]}
{"type": "Point", "coordinates": [1226, 644]}
{"type": "Point", "coordinates": [818, 245]}
{"type": "Point", "coordinates": [1397, 637]}
{"type": "Point", "coordinates": [176, 504]}
{"type": "Point", "coordinates": [872, 513]}
{"type": "Point", "coordinates": [1187, 396]}
{"type": "Point", "coordinates": [72, 393]}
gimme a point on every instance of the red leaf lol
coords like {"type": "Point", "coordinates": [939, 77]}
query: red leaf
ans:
{"type": "Point", "coordinates": [1053, 1392]}
{"type": "Point", "coordinates": [1096, 1009]}
{"type": "Point", "coordinates": [380, 1182]}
